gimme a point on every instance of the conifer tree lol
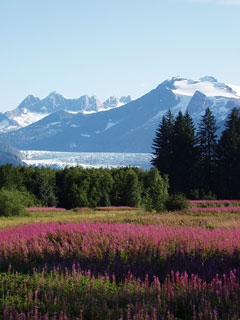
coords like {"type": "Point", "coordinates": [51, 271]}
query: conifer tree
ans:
{"type": "Point", "coordinates": [162, 144]}
{"type": "Point", "coordinates": [207, 146]}
{"type": "Point", "coordinates": [184, 154]}
{"type": "Point", "coordinates": [229, 157]}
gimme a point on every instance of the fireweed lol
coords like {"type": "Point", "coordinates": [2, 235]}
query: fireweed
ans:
{"type": "Point", "coordinates": [213, 203]}
{"type": "Point", "coordinates": [119, 271]}
{"type": "Point", "coordinates": [214, 209]}
{"type": "Point", "coordinates": [80, 295]}
{"type": "Point", "coordinates": [121, 248]}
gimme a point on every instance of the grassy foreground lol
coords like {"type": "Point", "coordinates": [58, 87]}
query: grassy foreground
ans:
{"type": "Point", "coordinates": [139, 216]}
{"type": "Point", "coordinates": [120, 265]}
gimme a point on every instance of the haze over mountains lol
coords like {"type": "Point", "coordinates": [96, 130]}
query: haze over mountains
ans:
{"type": "Point", "coordinates": [116, 125]}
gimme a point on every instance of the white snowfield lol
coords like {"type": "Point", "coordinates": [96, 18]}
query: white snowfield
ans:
{"type": "Point", "coordinates": [109, 108]}
{"type": "Point", "coordinates": [235, 88]}
{"type": "Point", "coordinates": [28, 118]}
{"type": "Point", "coordinates": [207, 86]}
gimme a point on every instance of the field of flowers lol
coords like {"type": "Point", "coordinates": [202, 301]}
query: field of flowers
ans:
{"type": "Point", "coordinates": [213, 203]}
{"type": "Point", "coordinates": [122, 265]}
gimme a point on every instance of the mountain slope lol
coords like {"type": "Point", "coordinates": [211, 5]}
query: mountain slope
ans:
{"type": "Point", "coordinates": [7, 124]}
{"type": "Point", "coordinates": [130, 128]}
{"type": "Point", "coordinates": [32, 109]}
{"type": "Point", "coordinates": [9, 154]}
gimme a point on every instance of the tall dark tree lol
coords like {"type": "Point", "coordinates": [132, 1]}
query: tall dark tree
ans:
{"type": "Point", "coordinates": [175, 151]}
{"type": "Point", "coordinates": [162, 144]}
{"type": "Point", "coordinates": [184, 154]}
{"type": "Point", "coordinates": [207, 144]}
{"type": "Point", "coordinates": [229, 157]}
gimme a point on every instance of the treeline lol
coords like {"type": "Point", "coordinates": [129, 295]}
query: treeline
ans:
{"type": "Point", "coordinates": [77, 187]}
{"type": "Point", "coordinates": [198, 163]}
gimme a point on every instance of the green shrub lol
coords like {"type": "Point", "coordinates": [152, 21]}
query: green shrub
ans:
{"type": "Point", "coordinates": [14, 202]}
{"type": "Point", "coordinates": [209, 196]}
{"type": "Point", "coordinates": [156, 191]}
{"type": "Point", "coordinates": [176, 202]}
{"type": "Point", "coordinates": [194, 194]}
{"type": "Point", "coordinates": [147, 203]}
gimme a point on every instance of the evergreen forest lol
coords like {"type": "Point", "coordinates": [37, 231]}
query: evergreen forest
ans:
{"type": "Point", "coordinates": [198, 162]}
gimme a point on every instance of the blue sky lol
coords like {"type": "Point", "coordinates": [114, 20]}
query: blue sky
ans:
{"type": "Point", "coordinates": [110, 47]}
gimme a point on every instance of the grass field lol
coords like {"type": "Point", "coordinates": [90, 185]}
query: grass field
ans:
{"type": "Point", "coordinates": [189, 218]}
{"type": "Point", "coordinates": [126, 264]}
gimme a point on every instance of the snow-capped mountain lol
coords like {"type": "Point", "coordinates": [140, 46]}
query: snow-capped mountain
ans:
{"type": "Point", "coordinates": [125, 129]}
{"type": "Point", "coordinates": [32, 109]}
{"type": "Point", "coordinates": [196, 95]}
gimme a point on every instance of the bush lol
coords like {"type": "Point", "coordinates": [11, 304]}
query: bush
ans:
{"type": "Point", "coordinates": [147, 203]}
{"type": "Point", "coordinates": [209, 196]}
{"type": "Point", "coordinates": [176, 202]}
{"type": "Point", "coordinates": [14, 202]}
{"type": "Point", "coordinates": [156, 191]}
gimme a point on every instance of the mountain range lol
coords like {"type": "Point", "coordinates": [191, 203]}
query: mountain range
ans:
{"type": "Point", "coordinates": [56, 123]}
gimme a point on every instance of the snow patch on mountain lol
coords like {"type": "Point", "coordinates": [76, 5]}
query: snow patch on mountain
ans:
{"type": "Point", "coordinates": [110, 125]}
{"type": "Point", "coordinates": [187, 87]}
{"type": "Point", "coordinates": [88, 112]}
{"type": "Point", "coordinates": [182, 104]}
{"type": "Point", "coordinates": [72, 112]}
{"type": "Point", "coordinates": [219, 108]}
{"type": "Point", "coordinates": [109, 108]}
{"type": "Point", "coordinates": [27, 118]}
{"type": "Point", "coordinates": [52, 124]}
{"type": "Point", "coordinates": [4, 123]}
{"type": "Point", "coordinates": [235, 88]}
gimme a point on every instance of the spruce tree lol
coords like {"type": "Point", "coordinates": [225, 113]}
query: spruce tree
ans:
{"type": "Point", "coordinates": [162, 144]}
{"type": "Point", "coordinates": [207, 146]}
{"type": "Point", "coordinates": [184, 154]}
{"type": "Point", "coordinates": [229, 157]}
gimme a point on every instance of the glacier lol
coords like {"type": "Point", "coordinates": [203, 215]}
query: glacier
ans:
{"type": "Point", "coordinates": [60, 160]}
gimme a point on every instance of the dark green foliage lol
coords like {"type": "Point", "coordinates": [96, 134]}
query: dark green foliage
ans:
{"type": "Point", "coordinates": [198, 165]}
{"type": "Point", "coordinates": [184, 154]}
{"type": "Point", "coordinates": [40, 182]}
{"type": "Point", "coordinates": [156, 190]}
{"type": "Point", "coordinates": [207, 144]}
{"type": "Point", "coordinates": [176, 202]}
{"type": "Point", "coordinates": [208, 196]}
{"type": "Point", "coordinates": [229, 157]}
{"type": "Point", "coordinates": [175, 150]}
{"type": "Point", "coordinates": [77, 187]}
{"type": "Point", "coordinates": [13, 202]}
{"type": "Point", "coordinates": [126, 189]}
{"type": "Point", "coordinates": [162, 144]}
{"type": "Point", "coordinates": [72, 188]}
{"type": "Point", "coordinates": [105, 199]}
{"type": "Point", "coordinates": [10, 177]}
